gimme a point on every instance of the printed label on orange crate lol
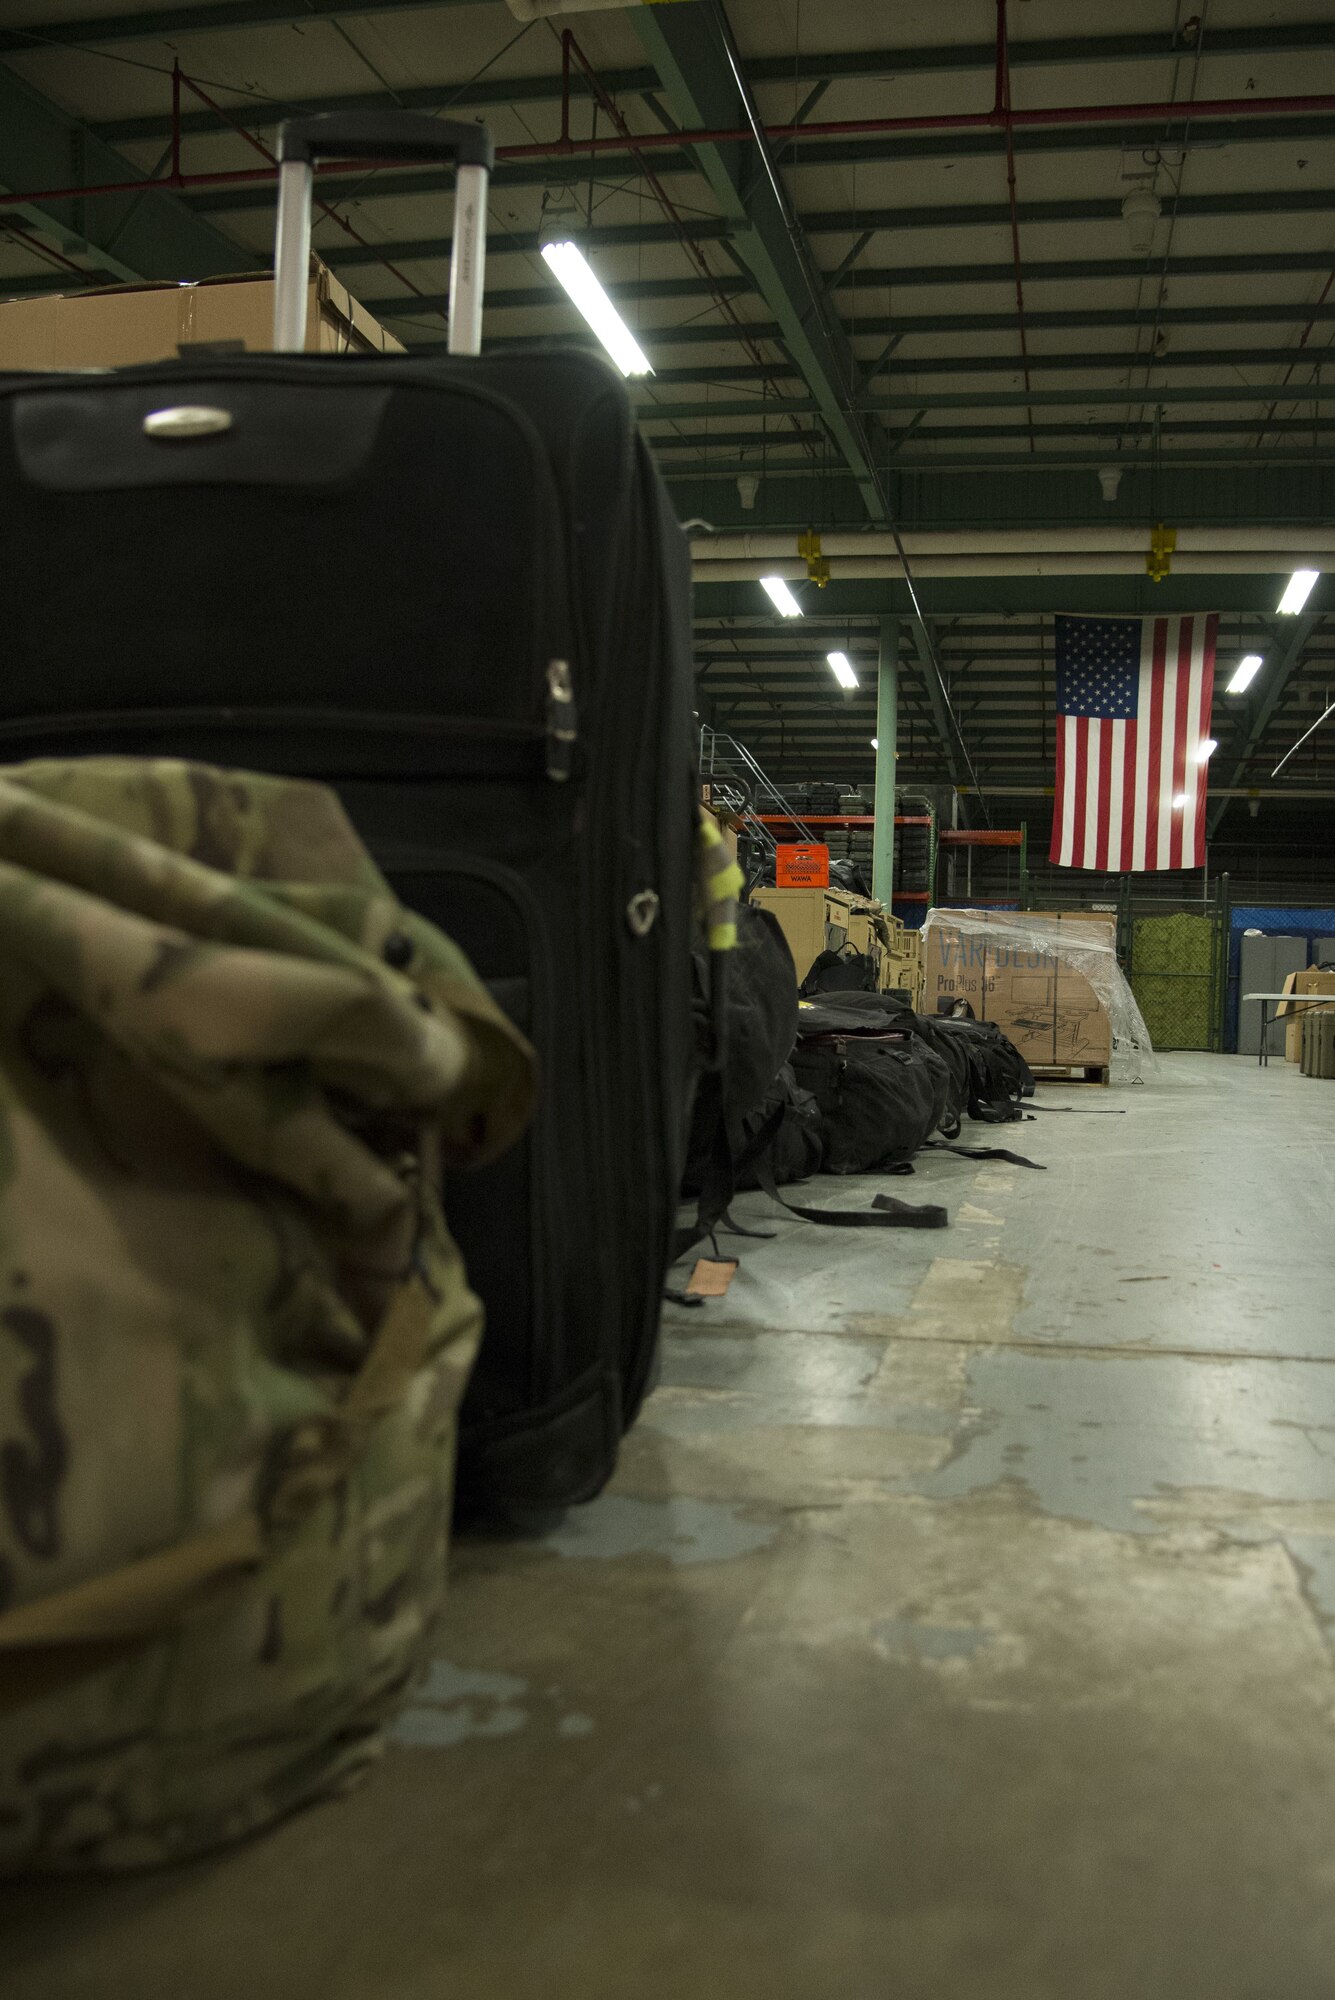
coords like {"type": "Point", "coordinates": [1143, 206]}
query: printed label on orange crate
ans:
{"type": "Point", "coordinates": [802, 867]}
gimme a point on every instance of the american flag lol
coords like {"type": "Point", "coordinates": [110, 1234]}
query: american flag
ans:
{"type": "Point", "coordinates": [1133, 703]}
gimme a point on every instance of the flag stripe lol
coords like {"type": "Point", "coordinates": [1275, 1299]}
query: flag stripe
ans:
{"type": "Point", "coordinates": [1090, 830]}
{"type": "Point", "coordinates": [1072, 729]}
{"type": "Point", "coordinates": [1144, 709]}
{"type": "Point", "coordinates": [1081, 788]}
{"type": "Point", "coordinates": [1104, 820]}
{"type": "Point", "coordinates": [1182, 741]}
{"type": "Point", "coordinates": [1131, 819]}
{"type": "Point", "coordinates": [1154, 773]}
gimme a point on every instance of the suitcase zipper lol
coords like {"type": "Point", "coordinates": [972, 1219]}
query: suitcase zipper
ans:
{"type": "Point", "coordinates": [562, 722]}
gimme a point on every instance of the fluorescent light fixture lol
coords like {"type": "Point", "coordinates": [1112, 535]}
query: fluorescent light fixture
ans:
{"type": "Point", "coordinates": [1248, 667]}
{"type": "Point", "coordinates": [780, 596]}
{"type": "Point", "coordinates": [1204, 751]}
{"type": "Point", "coordinates": [1180, 800]}
{"type": "Point", "coordinates": [568, 266]}
{"type": "Point", "coordinates": [1298, 591]}
{"type": "Point", "coordinates": [843, 669]}
{"type": "Point", "coordinates": [874, 744]}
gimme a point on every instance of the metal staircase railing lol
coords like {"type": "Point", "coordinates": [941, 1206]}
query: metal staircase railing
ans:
{"type": "Point", "coordinates": [738, 783]}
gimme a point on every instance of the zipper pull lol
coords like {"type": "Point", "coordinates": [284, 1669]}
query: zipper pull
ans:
{"type": "Point", "coordinates": [562, 721]}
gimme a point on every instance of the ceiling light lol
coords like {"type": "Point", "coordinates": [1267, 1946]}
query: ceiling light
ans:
{"type": "Point", "coordinates": [1140, 212]}
{"type": "Point", "coordinates": [1204, 751]}
{"type": "Point", "coordinates": [1248, 667]}
{"type": "Point", "coordinates": [1180, 800]}
{"type": "Point", "coordinates": [1298, 591]}
{"type": "Point", "coordinates": [780, 596]}
{"type": "Point", "coordinates": [875, 744]}
{"type": "Point", "coordinates": [569, 267]}
{"type": "Point", "coordinates": [843, 669]}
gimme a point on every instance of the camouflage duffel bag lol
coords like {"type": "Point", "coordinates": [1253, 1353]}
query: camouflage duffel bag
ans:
{"type": "Point", "coordinates": [234, 1331]}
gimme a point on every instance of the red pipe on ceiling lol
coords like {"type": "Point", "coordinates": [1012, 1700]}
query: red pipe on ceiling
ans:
{"type": "Point", "coordinates": [848, 128]}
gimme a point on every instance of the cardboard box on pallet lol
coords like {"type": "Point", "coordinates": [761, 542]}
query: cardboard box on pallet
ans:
{"type": "Point", "coordinates": [1312, 980]}
{"type": "Point", "coordinates": [125, 324]}
{"type": "Point", "coordinates": [1047, 1008]}
{"type": "Point", "coordinates": [1082, 1032]}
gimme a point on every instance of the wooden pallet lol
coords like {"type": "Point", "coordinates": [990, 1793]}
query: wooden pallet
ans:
{"type": "Point", "coordinates": [1071, 1073]}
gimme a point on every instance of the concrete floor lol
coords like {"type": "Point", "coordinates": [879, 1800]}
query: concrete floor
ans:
{"type": "Point", "coordinates": [959, 1623]}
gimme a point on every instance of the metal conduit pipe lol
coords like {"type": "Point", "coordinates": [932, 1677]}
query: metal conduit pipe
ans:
{"type": "Point", "coordinates": [642, 142]}
{"type": "Point", "coordinates": [954, 121]}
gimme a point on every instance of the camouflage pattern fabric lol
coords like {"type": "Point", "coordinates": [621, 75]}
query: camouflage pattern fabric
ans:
{"type": "Point", "coordinates": [234, 1331]}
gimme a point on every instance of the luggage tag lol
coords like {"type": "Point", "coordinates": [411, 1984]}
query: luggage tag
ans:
{"type": "Point", "coordinates": [711, 1277]}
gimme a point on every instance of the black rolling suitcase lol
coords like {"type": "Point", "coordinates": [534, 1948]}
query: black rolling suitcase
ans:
{"type": "Point", "coordinates": [456, 590]}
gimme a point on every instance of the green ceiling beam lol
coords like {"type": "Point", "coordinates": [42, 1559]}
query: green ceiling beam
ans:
{"type": "Point", "coordinates": [860, 149]}
{"type": "Point", "coordinates": [832, 222]}
{"type": "Point", "coordinates": [782, 451]}
{"type": "Point", "coordinates": [155, 24]}
{"type": "Point", "coordinates": [1272, 312]}
{"type": "Point", "coordinates": [1070, 363]}
{"type": "Point", "coordinates": [1253, 491]}
{"type": "Point", "coordinates": [1067, 270]}
{"type": "Point", "coordinates": [1096, 396]}
{"type": "Point", "coordinates": [1300, 37]}
{"type": "Point", "coordinates": [943, 596]}
{"type": "Point", "coordinates": [690, 49]}
{"type": "Point", "coordinates": [149, 235]}
{"type": "Point", "coordinates": [907, 277]}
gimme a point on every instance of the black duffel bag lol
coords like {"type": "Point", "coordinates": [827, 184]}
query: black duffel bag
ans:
{"type": "Point", "coordinates": [881, 1090]}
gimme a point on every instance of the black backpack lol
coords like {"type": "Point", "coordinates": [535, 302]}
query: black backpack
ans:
{"type": "Point", "coordinates": [787, 1141]}
{"type": "Point", "coordinates": [845, 874]}
{"type": "Point", "coordinates": [743, 1136]}
{"type": "Point", "coordinates": [740, 1055]}
{"type": "Point", "coordinates": [992, 1077]}
{"type": "Point", "coordinates": [845, 971]}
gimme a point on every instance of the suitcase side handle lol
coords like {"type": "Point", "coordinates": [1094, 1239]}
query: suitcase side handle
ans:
{"type": "Point", "coordinates": [387, 135]}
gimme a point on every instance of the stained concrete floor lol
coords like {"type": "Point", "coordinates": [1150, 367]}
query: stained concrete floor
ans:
{"type": "Point", "coordinates": [960, 1623]}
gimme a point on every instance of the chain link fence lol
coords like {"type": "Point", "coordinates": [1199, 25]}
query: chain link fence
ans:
{"type": "Point", "coordinates": [1176, 958]}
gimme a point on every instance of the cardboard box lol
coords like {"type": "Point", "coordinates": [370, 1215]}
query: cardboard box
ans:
{"type": "Point", "coordinates": [133, 323]}
{"type": "Point", "coordinates": [1310, 981]}
{"type": "Point", "coordinates": [862, 934]}
{"type": "Point", "coordinates": [1082, 1030]}
{"type": "Point", "coordinates": [812, 920]}
{"type": "Point", "coordinates": [905, 973]}
{"type": "Point", "coordinates": [1020, 995]}
{"type": "Point", "coordinates": [1048, 1009]}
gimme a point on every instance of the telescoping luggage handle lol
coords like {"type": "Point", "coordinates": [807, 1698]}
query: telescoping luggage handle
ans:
{"type": "Point", "coordinates": [380, 135]}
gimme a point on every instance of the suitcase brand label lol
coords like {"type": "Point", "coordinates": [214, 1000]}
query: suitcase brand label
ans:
{"type": "Point", "coordinates": [186, 420]}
